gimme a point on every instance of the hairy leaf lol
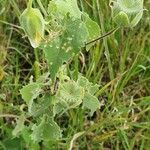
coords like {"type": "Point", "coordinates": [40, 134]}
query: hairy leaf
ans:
{"type": "Point", "coordinates": [88, 86]}
{"type": "Point", "coordinates": [70, 95]}
{"type": "Point", "coordinates": [30, 92]}
{"type": "Point", "coordinates": [91, 102]}
{"type": "Point", "coordinates": [128, 12]}
{"type": "Point", "coordinates": [20, 125]}
{"type": "Point", "coordinates": [47, 130]}
{"type": "Point", "coordinates": [26, 135]}
{"type": "Point", "coordinates": [62, 48]}
{"type": "Point", "coordinates": [65, 7]}
{"type": "Point", "coordinates": [93, 29]}
{"type": "Point", "coordinates": [41, 107]}
{"type": "Point", "coordinates": [33, 90]}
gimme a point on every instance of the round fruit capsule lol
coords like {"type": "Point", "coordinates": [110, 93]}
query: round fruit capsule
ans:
{"type": "Point", "coordinates": [33, 24]}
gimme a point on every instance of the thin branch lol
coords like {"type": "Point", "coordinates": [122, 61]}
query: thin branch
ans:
{"type": "Point", "coordinates": [12, 116]}
{"type": "Point", "coordinates": [10, 24]}
{"type": "Point", "coordinates": [103, 36]}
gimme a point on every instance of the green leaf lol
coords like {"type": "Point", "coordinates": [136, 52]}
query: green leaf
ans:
{"type": "Point", "coordinates": [55, 56]}
{"type": "Point", "coordinates": [41, 106]}
{"type": "Point", "coordinates": [130, 6]}
{"type": "Point", "coordinates": [136, 19]}
{"type": "Point", "coordinates": [26, 135]}
{"type": "Point", "coordinates": [62, 48]}
{"type": "Point", "coordinates": [65, 7]}
{"type": "Point", "coordinates": [30, 92]}
{"type": "Point", "coordinates": [76, 34]}
{"type": "Point", "coordinates": [59, 108]}
{"type": "Point", "coordinates": [42, 78]}
{"type": "Point", "coordinates": [47, 130]}
{"type": "Point", "coordinates": [70, 93]}
{"type": "Point", "coordinates": [93, 29]}
{"type": "Point", "coordinates": [124, 138]}
{"type": "Point", "coordinates": [20, 125]}
{"type": "Point", "coordinates": [91, 102]}
{"type": "Point", "coordinates": [12, 144]}
{"type": "Point", "coordinates": [88, 86]}
{"type": "Point", "coordinates": [33, 90]}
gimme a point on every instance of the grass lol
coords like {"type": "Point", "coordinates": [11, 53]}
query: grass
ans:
{"type": "Point", "coordinates": [120, 64]}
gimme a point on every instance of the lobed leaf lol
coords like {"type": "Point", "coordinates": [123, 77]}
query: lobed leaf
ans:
{"type": "Point", "coordinates": [32, 90]}
{"type": "Point", "coordinates": [20, 125]}
{"type": "Point", "coordinates": [47, 130]}
{"type": "Point", "coordinates": [64, 7]}
{"type": "Point", "coordinates": [91, 102]}
{"type": "Point", "coordinates": [62, 48]}
{"type": "Point", "coordinates": [88, 86]}
{"type": "Point", "coordinates": [69, 95]}
{"type": "Point", "coordinates": [92, 28]}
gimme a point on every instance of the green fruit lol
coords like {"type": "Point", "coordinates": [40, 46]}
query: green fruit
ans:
{"type": "Point", "coordinates": [127, 13]}
{"type": "Point", "coordinates": [122, 19]}
{"type": "Point", "coordinates": [33, 24]}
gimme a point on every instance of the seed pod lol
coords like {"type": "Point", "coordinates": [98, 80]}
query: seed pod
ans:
{"type": "Point", "coordinates": [121, 19]}
{"type": "Point", "coordinates": [127, 13]}
{"type": "Point", "coordinates": [33, 24]}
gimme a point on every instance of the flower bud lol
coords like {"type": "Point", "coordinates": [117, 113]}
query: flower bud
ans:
{"type": "Point", "coordinates": [33, 24]}
{"type": "Point", "coordinates": [127, 13]}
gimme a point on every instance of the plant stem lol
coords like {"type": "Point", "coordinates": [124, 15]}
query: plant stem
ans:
{"type": "Point", "coordinates": [42, 8]}
{"type": "Point", "coordinates": [12, 116]}
{"type": "Point", "coordinates": [36, 64]}
{"type": "Point", "coordinates": [103, 36]}
{"type": "Point", "coordinates": [111, 73]}
{"type": "Point", "coordinates": [36, 54]}
{"type": "Point", "coordinates": [30, 4]}
{"type": "Point", "coordinates": [76, 67]}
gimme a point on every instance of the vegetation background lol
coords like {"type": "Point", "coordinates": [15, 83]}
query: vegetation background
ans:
{"type": "Point", "coordinates": [120, 64]}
